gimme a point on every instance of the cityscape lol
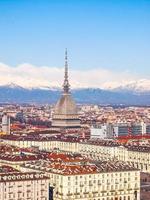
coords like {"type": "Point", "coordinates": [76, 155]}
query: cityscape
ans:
{"type": "Point", "coordinates": [71, 133]}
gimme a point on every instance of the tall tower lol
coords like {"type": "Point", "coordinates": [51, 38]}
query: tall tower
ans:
{"type": "Point", "coordinates": [6, 123]}
{"type": "Point", "coordinates": [65, 112]}
{"type": "Point", "coordinates": [66, 85]}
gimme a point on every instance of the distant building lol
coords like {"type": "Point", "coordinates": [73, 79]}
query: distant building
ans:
{"type": "Point", "coordinates": [6, 123]}
{"type": "Point", "coordinates": [65, 112]}
{"type": "Point", "coordinates": [148, 129]}
{"type": "Point", "coordinates": [20, 117]}
{"type": "Point", "coordinates": [102, 131]}
{"type": "Point", "coordinates": [121, 129]}
{"type": "Point", "coordinates": [138, 128]}
{"type": "Point", "coordinates": [134, 129]}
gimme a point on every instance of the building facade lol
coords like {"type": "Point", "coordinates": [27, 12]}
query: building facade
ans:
{"type": "Point", "coordinates": [23, 186]}
{"type": "Point", "coordinates": [103, 181]}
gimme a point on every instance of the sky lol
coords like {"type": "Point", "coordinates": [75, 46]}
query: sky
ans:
{"type": "Point", "coordinates": [108, 41]}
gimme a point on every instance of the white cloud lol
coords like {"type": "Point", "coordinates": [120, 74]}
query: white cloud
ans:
{"type": "Point", "coordinates": [28, 75]}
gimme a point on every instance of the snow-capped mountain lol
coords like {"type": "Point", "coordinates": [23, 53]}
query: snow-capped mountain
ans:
{"type": "Point", "coordinates": [139, 86]}
{"type": "Point", "coordinates": [127, 95]}
{"type": "Point", "coordinates": [12, 86]}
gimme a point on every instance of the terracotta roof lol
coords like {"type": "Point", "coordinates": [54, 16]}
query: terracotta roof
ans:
{"type": "Point", "coordinates": [20, 158]}
{"type": "Point", "coordinates": [79, 168]}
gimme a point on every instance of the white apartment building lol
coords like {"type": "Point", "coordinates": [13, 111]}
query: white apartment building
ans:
{"type": "Point", "coordinates": [100, 181]}
{"type": "Point", "coordinates": [23, 186]}
{"type": "Point", "coordinates": [102, 131]}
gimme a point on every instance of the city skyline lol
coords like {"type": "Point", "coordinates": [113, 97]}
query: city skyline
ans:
{"type": "Point", "coordinates": [74, 100]}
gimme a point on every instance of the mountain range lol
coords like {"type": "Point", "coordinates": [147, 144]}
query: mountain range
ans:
{"type": "Point", "coordinates": [128, 95]}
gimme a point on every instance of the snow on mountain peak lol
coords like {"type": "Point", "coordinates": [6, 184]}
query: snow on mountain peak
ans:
{"type": "Point", "coordinates": [142, 85]}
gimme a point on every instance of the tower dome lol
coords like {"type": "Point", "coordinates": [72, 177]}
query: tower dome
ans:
{"type": "Point", "coordinates": [66, 105]}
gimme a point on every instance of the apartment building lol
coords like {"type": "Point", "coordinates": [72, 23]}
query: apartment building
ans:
{"type": "Point", "coordinates": [23, 186]}
{"type": "Point", "coordinates": [93, 181]}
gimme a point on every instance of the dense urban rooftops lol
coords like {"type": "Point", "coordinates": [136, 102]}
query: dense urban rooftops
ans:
{"type": "Point", "coordinates": [20, 158]}
{"type": "Point", "coordinates": [79, 168]}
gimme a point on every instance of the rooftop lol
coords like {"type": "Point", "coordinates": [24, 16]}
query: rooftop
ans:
{"type": "Point", "coordinates": [7, 169]}
{"type": "Point", "coordinates": [79, 168]}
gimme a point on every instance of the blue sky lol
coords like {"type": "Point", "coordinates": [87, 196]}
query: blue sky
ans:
{"type": "Point", "coordinates": [99, 34]}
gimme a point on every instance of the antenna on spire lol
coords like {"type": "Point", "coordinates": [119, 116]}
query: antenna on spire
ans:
{"type": "Point", "coordinates": [66, 82]}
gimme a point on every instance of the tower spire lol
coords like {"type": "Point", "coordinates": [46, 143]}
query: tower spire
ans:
{"type": "Point", "coordinates": [66, 85]}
